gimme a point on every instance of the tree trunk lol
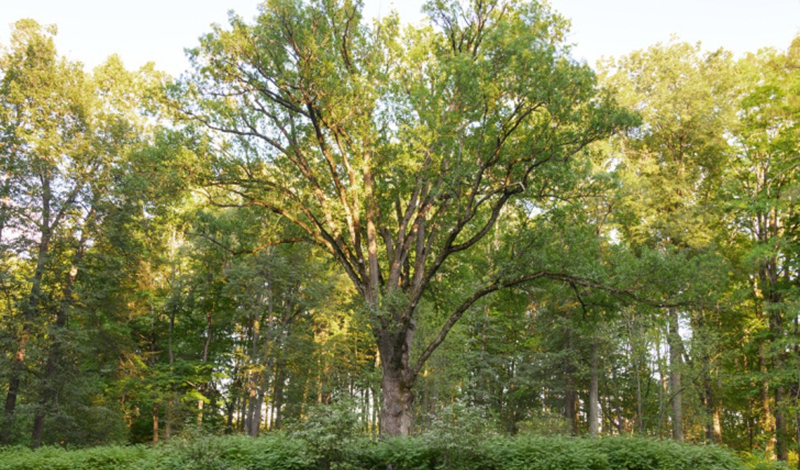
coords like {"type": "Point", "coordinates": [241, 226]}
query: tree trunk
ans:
{"type": "Point", "coordinates": [255, 422]}
{"type": "Point", "coordinates": [204, 387]}
{"type": "Point", "coordinates": [397, 400]}
{"type": "Point", "coordinates": [155, 423]}
{"type": "Point", "coordinates": [38, 425]}
{"type": "Point", "coordinates": [153, 360]}
{"type": "Point", "coordinates": [781, 434]}
{"type": "Point", "coordinates": [713, 425]}
{"type": "Point", "coordinates": [767, 420]}
{"type": "Point", "coordinates": [241, 420]}
{"type": "Point", "coordinates": [171, 355]}
{"type": "Point", "coordinates": [251, 412]}
{"type": "Point", "coordinates": [775, 313]}
{"type": "Point", "coordinates": [396, 384]}
{"type": "Point", "coordinates": [570, 394]}
{"type": "Point", "coordinates": [773, 310]}
{"type": "Point", "coordinates": [594, 398]}
{"type": "Point", "coordinates": [230, 407]}
{"type": "Point", "coordinates": [717, 425]}
{"type": "Point", "coordinates": [674, 340]}
{"type": "Point", "coordinates": [277, 394]}
{"type": "Point", "coordinates": [797, 431]}
{"type": "Point", "coordinates": [571, 407]}
{"type": "Point", "coordinates": [662, 389]}
{"type": "Point", "coordinates": [639, 402]}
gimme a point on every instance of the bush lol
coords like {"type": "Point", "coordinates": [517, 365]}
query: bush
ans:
{"type": "Point", "coordinates": [646, 454]}
{"type": "Point", "coordinates": [334, 432]}
{"type": "Point", "coordinates": [758, 461]}
{"type": "Point", "coordinates": [546, 453]}
{"type": "Point", "coordinates": [321, 447]}
{"type": "Point", "coordinates": [56, 458]}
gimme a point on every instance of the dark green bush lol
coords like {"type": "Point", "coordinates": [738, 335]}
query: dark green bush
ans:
{"type": "Point", "coordinates": [56, 458]}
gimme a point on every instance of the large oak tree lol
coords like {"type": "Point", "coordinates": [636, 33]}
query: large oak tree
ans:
{"type": "Point", "coordinates": [396, 150]}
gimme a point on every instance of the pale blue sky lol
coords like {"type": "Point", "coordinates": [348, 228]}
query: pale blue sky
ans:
{"type": "Point", "coordinates": [159, 30]}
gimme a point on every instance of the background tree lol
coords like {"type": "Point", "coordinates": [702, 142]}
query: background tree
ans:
{"type": "Point", "coordinates": [672, 166]}
{"type": "Point", "coordinates": [71, 143]}
{"type": "Point", "coordinates": [761, 190]}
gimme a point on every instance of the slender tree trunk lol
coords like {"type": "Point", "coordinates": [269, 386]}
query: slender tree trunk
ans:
{"type": "Point", "coordinates": [253, 381]}
{"type": "Point", "coordinates": [713, 426]}
{"type": "Point", "coordinates": [232, 405]}
{"type": "Point", "coordinates": [636, 363]}
{"type": "Point", "coordinates": [38, 418]}
{"type": "Point", "coordinates": [776, 326]}
{"type": "Point", "coordinates": [277, 398]}
{"type": "Point", "coordinates": [571, 408]}
{"type": "Point", "coordinates": [797, 430]}
{"type": "Point", "coordinates": [249, 427]}
{"type": "Point", "coordinates": [662, 389]}
{"type": "Point", "coordinates": [155, 423]}
{"type": "Point", "coordinates": [717, 425]}
{"type": "Point", "coordinates": [153, 360]}
{"type": "Point", "coordinates": [675, 351]}
{"type": "Point", "coordinates": [170, 408]}
{"type": "Point", "coordinates": [570, 394]}
{"type": "Point", "coordinates": [639, 403]}
{"type": "Point", "coordinates": [230, 408]}
{"type": "Point", "coordinates": [768, 280]}
{"type": "Point", "coordinates": [255, 422]}
{"type": "Point", "coordinates": [781, 434]}
{"type": "Point", "coordinates": [206, 346]}
{"type": "Point", "coordinates": [376, 421]}
{"type": "Point", "coordinates": [200, 406]}
{"type": "Point", "coordinates": [241, 422]}
{"type": "Point", "coordinates": [594, 399]}
{"type": "Point", "coordinates": [767, 420]}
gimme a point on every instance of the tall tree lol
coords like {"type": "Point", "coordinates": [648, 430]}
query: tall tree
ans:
{"type": "Point", "coordinates": [44, 109]}
{"type": "Point", "coordinates": [761, 192]}
{"type": "Point", "coordinates": [396, 153]}
{"type": "Point", "coordinates": [672, 163]}
{"type": "Point", "coordinates": [68, 138]}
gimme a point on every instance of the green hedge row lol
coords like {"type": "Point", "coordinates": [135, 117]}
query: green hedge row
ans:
{"type": "Point", "coordinates": [279, 451]}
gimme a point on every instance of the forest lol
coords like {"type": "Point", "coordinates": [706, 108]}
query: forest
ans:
{"type": "Point", "coordinates": [334, 218]}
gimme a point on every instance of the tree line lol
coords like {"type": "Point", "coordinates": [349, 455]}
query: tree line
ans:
{"type": "Point", "coordinates": [407, 223]}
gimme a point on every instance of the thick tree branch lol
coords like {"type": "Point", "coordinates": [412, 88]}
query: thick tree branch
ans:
{"type": "Point", "coordinates": [459, 312]}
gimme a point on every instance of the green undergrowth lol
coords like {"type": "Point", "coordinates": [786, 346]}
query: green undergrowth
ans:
{"type": "Point", "coordinates": [279, 451]}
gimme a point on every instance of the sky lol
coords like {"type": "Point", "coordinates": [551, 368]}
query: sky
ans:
{"type": "Point", "coordinates": [140, 31]}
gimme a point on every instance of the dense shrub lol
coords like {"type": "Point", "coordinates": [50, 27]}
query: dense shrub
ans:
{"type": "Point", "coordinates": [313, 449]}
{"type": "Point", "coordinates": [56, 458]}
